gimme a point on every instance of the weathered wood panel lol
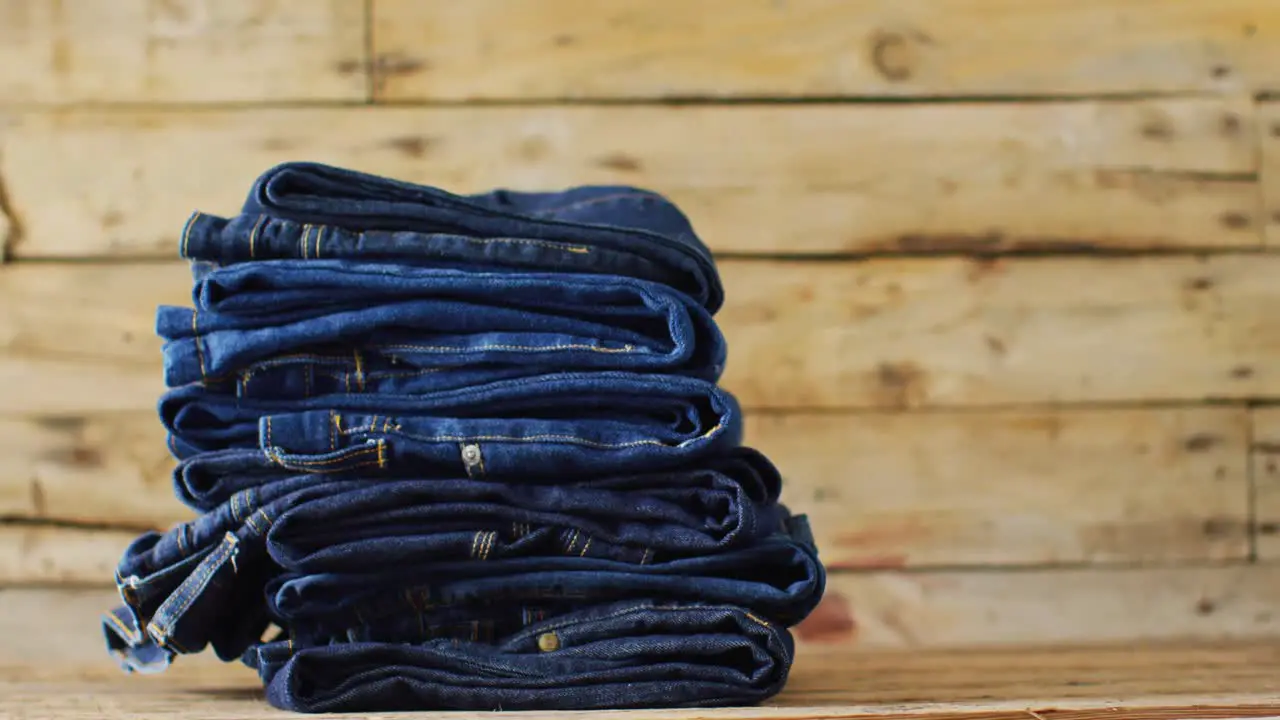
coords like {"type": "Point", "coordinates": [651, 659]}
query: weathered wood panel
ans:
{"type": "Point", "coordinates": [966, 609]}
{"type": "Point", "coordinates": [1269, 137]}
{"type": "Point", "coordinates": [913, 333]}
{"type": "Point", "coordinates": [660, 48]}
{"type": "Point", "coordinates": [74, 51]}
{"type": "Point", "coordinates": [882, 490]}
{"type": "Point", "coordinates": [890, 333]}
{"type": "Point", "coordinates": [1024, 487]}
{"type": "Point", "coordinates": [778, 179]}
{"type": "Point", "coordinates": [1265, 472]}
{"type": "Point", "coordinates": [112, 469]}
{"type": "Point", "coordinates": [32, 554]}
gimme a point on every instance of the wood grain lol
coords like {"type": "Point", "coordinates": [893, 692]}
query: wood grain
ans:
{"type": "Point", "coordinates": [1123, 605]}
{"type": "Point", "coordinates": [882, 490]}
{"type": "Point", "coordinates": [1018, 487]}
{"type": "Point", "coordinates": [1269, 137]}
{"type": "Point", "coordinates": [889, 333]}
{"type": "Point", "coordinates": [31, 554]}
{"type": "Point", "coordinates": [1265, 472]}
{"type": "Point", "coordinates": [754, 179]}
{"type": "Point", "coordinates": [944, 332]}
{"type": "Point", "coordinates": [139, 51]}
{"type": "Point", "coordinates": [662, 48]}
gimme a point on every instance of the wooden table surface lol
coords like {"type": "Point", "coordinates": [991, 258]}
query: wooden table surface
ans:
{"type": "Point", "coordinates": [1080, 683]}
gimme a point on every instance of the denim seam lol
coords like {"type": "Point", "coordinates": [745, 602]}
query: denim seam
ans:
{"type": "Point", "coordinates": [186, 233]}
{"type": "Point", "coordinates": [159, 631]}
{"type": "Point", "coordinates": [570, 439]}
{"type": "Point", "coordinates": [253, 235]}
{"type": "Point", "coordinates": [488, 548]}
{"type": "Point", "coordinates": [195, 314]}
{"type": "Point", "coordinates": [327, 465]}
{"type": "Point", "coordinates": [129, 635]}
{"type": "Point", "coordinates": [575, 249]}
{"type": "Point", "coordinates": [628, 348]}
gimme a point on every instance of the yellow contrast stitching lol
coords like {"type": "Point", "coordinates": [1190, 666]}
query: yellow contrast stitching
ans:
{"type": "Point", "coordinates": [253, 234]}
{"type": "Point", "coordinates": [584, 547]}
{"type": "Point", "coordinates": [186, 232]}
{"type": "Point", "coordinates": [124, 629]}
{"type": "Point", "coordinates": [563, 438]}
{"type": "Point", "coordinates": [199, 352]}
{"type": "Point", "coordinates": [521, 348]}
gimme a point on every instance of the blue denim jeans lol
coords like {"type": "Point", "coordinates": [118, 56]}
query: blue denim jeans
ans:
{"type": "Point", "coordinates": [634, 654]}
{"type": "Point", "coordinates": [207, 480]}
{"type": "Point", "coordinates": [313, 211]}
{"type": "Point", "coordinates": [638, 519]}
{"type": "Point", "coordinates": [201, 582]}
{"type": "Point", "coordinates": [566, 425]}
{"type": "Point", "coordinates": [312, 316]}
{"type": "Point", "coordinates": [778, 576]}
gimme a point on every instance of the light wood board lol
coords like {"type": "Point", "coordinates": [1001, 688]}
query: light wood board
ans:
{"type": "Point", "coordinates": [906, 48]}
{"type": "Point", "coordinates": [754, 179]}
{"type": "Point", "coordinates": [1268, 129]}
{"type": "Point", "coordinates": [140, 51]}
{"type": "Point", "coordinates": [1265, 472]}
{"type": "Point", "coordinates": [890, 333]}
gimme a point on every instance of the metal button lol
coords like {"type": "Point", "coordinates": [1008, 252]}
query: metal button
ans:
{"type": "Point", "coordinates": [470, 453]}
{"type": "Point", "coordinates": [548, 642]}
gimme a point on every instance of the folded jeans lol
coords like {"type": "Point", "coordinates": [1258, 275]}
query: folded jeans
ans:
{"type": "Point", "coordinates": [635, 654]}
{"type": "Point", "coordinates": [310, 211]}
{"type": "Point", "coordinates": [290, 312]}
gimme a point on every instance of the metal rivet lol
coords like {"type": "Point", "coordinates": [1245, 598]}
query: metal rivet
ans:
{"type": "Point", "coordinates": [470, 452]}
{"type": "Point", "coordinates": [548, 642]}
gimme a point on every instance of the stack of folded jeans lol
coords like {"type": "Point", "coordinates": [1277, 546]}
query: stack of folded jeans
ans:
{"type": "Point", "coordinates": [462, 452]}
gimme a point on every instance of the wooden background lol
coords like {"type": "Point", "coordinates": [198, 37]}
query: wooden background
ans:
{"type": "Point", "coordinates": [1003, 301]}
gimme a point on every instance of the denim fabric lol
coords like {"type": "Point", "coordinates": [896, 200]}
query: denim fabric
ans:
{"type": "Point", "coordinates": [628, 655]}
{"type": "Point", "coordinates": [398, 523]}
{"type": "Point", "coordinates": [563, 425]}
{"type": "Point", "coordinates": [433, 319]}
{"type": "Point", "coordinates": [313, 211]}
{"type": "Point", "coordinates": [200, 582]}
{"type": "Point", "coordinates": [461, 452]}
{"type": "Point", "coordinates": [207, 480]}
{"type": "Point", "coordinates": [779, 577]}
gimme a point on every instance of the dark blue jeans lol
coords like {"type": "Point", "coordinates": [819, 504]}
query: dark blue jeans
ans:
{"type": "Point", "coordinates": [566, 425]}
{"type": "Point", "coordinates": [313, 316]}
{"type": "Point", "coordinates": [313, 211]}
{"type": "Point", "coordinates": [637, 519]}
{"type": "Point", "coordinates": [205, 481]}
{"type": "Point", "coordinates": [778, 576]}
{"type": "Point", "coordinates": [634, 654]}
{"type": "Point", "coordinates": [201, 582]}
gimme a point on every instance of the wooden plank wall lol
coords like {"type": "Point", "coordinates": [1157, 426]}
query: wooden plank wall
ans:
{"type": "Point", "coordinates": [1002, 298]}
